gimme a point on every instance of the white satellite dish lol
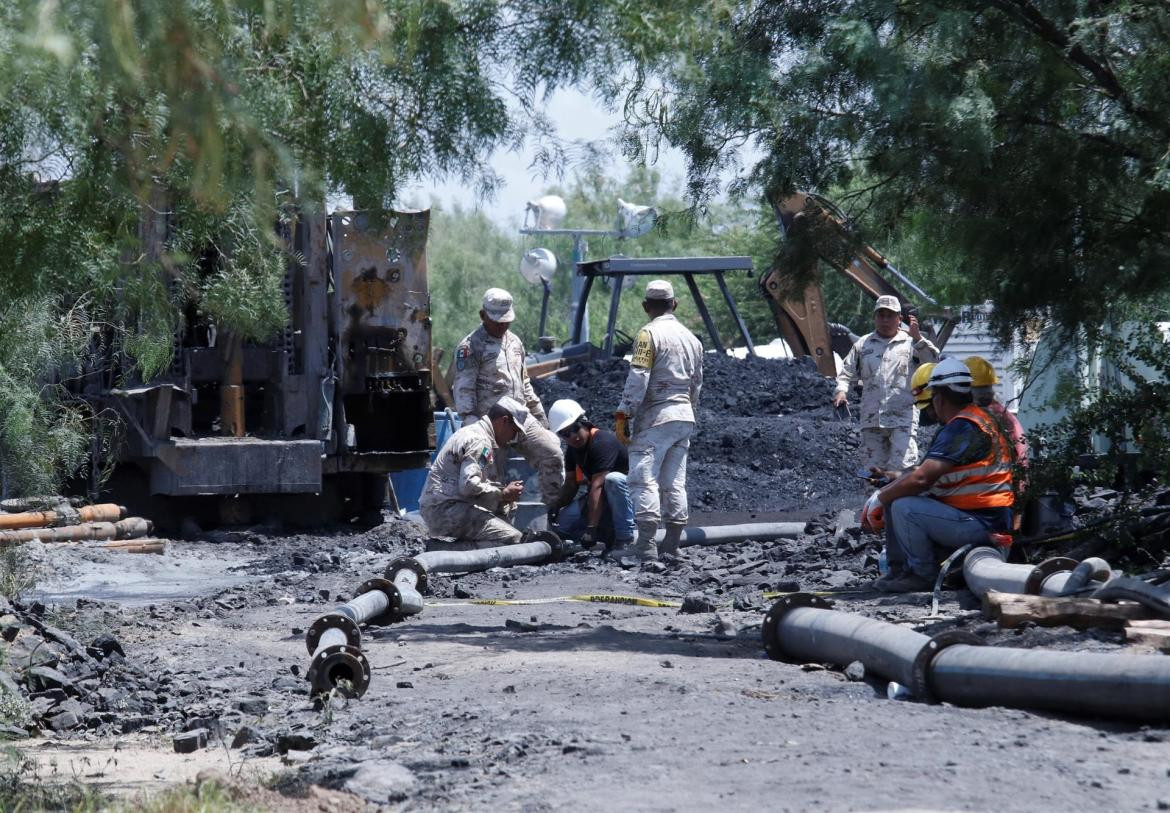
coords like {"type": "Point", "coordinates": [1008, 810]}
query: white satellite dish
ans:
{"type": "Point", "coordinates": [634, 220]}
{"type": "Point", "coordinates": [538, 264]}
{"type": "Point", "coordinates": [548, 211]}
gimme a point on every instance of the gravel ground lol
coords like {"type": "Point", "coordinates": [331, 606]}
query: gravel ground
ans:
{"type": "Point", "coordinates": [538, 707]}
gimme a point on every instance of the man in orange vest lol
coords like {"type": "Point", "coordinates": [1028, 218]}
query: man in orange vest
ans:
{"type": "Point", "coordinates": [960, 494]}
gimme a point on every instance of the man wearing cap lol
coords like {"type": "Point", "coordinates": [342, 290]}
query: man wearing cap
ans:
{"type": "Point", "coordinates": [883, 361]}
{"type": "Point", "coordinates": [961, 493]}
{"type": "Point", "coordinates": [656, 417]}
{"type": "Point", "coordinates": [461, 498]}
{"type": "Point", "coordinates": [489, 364]}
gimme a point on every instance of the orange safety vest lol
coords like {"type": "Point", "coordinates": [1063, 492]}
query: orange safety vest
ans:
{"type": "Point", "coordinates": [580, 474]}
{"type": "Point", "coordinates": [986, 483]}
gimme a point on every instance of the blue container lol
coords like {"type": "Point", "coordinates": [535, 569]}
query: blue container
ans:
{"type": "Point", "coordinates": [408, 485]}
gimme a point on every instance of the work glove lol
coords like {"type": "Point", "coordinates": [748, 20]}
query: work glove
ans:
{"type": "Point", "coordinates": [873, 515]}
{"type": "Point", "coordinates": [588, 538]}
{"type": "Point", "coordinates": [621, 427]}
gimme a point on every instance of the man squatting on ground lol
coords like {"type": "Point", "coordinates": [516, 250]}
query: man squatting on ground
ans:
{"type": "Point", "coordinates": [461, 498]}
{"type": "Point", "coordinates": [883, 361]}
{"type": "Point", "coordinates": [961, 493]}
{"type": "Point", "coordinates": [656, 417]}
{"type": "Point", "coordinates": [596, 459]}
{"type": "Point", "coordinates": [489, 364]}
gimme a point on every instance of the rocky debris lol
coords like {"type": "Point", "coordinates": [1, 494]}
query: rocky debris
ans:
{"type": "Point", "coordinates": [381, 781]}
{"type": "Point", "coordinates": [768, 439]}
{"type": "Point", "coordinates": [190, 741]}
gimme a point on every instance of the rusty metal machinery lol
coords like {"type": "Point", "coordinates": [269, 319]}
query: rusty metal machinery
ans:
{"type": "Point", "coordinates": [307, 425]}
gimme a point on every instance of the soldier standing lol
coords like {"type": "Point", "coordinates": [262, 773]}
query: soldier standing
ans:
{"type": "Point", "coordinates": [657, 416]}
{"type": "Point", "coordinates": [884, 361]}
{"type": "Point", "coordinates": [489, 364]}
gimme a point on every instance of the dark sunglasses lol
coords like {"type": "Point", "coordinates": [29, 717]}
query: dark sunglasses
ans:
{"type": "Point", "coordinates": [569, 430]}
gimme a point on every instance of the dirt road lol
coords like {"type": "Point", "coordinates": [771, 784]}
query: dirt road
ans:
{"type": "Point", "coordinates": [555, 705]}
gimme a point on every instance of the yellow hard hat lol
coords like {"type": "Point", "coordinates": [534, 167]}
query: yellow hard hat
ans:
{"type": "Point", "coordinates": [922, 393]}
{"type": "Point", "coordinates": [982, 373]}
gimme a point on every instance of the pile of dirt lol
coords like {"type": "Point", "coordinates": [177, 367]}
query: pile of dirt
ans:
{"type": "Point", "coordinates": [767, 441]}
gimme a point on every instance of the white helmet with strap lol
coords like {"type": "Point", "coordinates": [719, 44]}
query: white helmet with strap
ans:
{"type": "Point", "coordinates": [563, 413]}
{"type": "Point", "coordinates": [951, 373]}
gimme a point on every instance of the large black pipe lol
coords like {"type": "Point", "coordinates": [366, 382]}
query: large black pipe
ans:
{"type": "Point", "coordinates": [723, 534]}
{"type": "Point", "coordinates": [953, 668]}
{"type": "Point", "coordinates": [985, 570]}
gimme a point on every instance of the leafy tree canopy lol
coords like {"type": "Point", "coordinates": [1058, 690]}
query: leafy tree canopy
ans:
{"type": "Point", "coordinates": [1027, 142]}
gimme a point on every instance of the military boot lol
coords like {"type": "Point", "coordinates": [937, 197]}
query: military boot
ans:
{"type": "Point", "coordinates": [668, 548]}
{"type": "Point", "coordinates": [645, 548]}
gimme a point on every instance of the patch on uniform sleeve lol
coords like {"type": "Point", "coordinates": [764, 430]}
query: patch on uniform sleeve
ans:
{"type": "Point", "coordinates": [643, 355]}
{"type": "Point", "coordinates": [462, 354]}
{"type": "Point", "coordinates": [486, 454]}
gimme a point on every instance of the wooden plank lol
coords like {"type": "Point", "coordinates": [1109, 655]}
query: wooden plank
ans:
{"type": "Point", "coordinates": [1013, 609]}
{"type": "Point", "coordinates": [541, 369]}
{"type": "Point", "coordinates": [1154, 634]}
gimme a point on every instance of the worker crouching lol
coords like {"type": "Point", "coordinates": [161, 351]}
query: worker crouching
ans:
{"type": "Point", "coordinates": [961, 493]}
{"type": "Point", "coordinates": [596, 460]}
{"type": "Point", "coordinates": [462, 499]}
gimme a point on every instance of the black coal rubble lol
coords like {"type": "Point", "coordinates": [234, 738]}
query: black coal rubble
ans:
{"type": "Point", "coordinates": [768, 439]}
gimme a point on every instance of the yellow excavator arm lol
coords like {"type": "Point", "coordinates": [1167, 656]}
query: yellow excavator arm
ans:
{"type": "Point", "coordinates": [802, 320]}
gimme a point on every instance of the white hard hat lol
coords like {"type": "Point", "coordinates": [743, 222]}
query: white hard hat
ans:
{"type": "Point", "coordinates": [563, 413]}
{"type": "Point", "coordinates": [951, 373]}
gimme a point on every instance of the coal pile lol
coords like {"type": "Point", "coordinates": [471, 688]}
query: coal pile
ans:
{"type": "Point", "coordinates": [768, 439]}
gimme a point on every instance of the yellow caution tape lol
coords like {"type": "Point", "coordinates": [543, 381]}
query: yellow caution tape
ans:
{"type": "Point", "coordinates": [595, 598]}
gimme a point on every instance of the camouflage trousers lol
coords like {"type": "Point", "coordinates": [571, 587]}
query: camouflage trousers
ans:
{"type": "Point", "coordinates": [470, 525]}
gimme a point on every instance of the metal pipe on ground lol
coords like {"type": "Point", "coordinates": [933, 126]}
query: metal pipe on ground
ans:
{"type": "Point", "coordinates": [103, 512]}
{"type": "Point", "coordinates": [334, 639]}
{"type": "Point", "coordinates": [130, 528]}
{"type": "Point", "coordinates": [955, 668]}
{"type": "Point", "coordinates": [724, 534]}
{"type": "Point", "coordinates": [985, 570]}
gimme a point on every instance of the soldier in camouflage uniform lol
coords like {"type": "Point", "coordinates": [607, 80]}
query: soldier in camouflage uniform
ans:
{"type": "Point", "coordinates": [884, 361]}
{"type": "Point", "coordinates": [657, 416]}
{"type": "Point", "coordinates": [461, 498]}
{"type": "Point", "coordinates": [489, 364]}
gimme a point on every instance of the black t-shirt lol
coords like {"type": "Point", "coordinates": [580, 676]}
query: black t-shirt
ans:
{"type": "Point", "coordinates": [604, 453]}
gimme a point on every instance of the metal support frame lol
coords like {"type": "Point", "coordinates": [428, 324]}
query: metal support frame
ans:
{"type": "Point", "coordinates": [618, 268]}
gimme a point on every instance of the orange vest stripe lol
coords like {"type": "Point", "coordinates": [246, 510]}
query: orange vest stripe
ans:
{"type": "Point", "coordinates": [985, 483]}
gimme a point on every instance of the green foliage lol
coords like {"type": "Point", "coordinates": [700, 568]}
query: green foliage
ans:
{"type": "Point", "coordinates": [1123, 414]}
{"type": "Point", "coordinates": [148, 148]}
{"type": "Point", "coordinates": [40, 436]}
{"type": "Point", "coordinates": [1018, 147]}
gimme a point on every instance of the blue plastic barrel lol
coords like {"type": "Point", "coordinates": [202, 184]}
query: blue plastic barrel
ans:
{"type": "Point", "coordinates": [408, 485]}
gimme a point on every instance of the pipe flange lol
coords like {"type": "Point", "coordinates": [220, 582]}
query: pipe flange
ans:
{"type": "Point", "coordinates": [920, 670]}
{"type": "Point", "coordinates": [393, 610]}
{"type": "Point", "coordinates": [1042, 571]}
{"type": "Point", "coordinates": [414, 566]}
{"type": "Point", "coordinates": [339, 668]}
{"type": "Point", "coordinates": [770, 629]}
{"type": "Point", "coordinates": [353, 636]}
{"type": "Point", "coordinates": [557, 547]}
